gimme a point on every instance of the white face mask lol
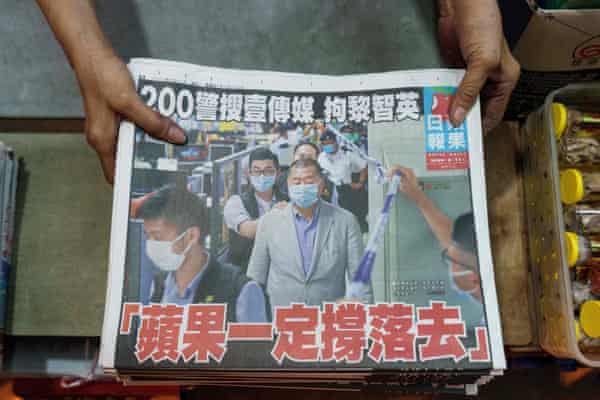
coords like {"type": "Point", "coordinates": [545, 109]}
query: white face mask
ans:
{"type": "Point", "coordinates": [162, 255]}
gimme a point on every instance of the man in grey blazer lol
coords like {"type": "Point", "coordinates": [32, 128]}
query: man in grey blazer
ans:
{"type": "Point", "coordinates": [307, 251]}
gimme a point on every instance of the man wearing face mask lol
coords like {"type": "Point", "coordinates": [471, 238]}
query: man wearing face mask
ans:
{"type": "Point", "coordinates": [302, 151]}
{"type": "Point", "coordinates": [242, 212]}
{"type": "Point", "coordinates": [340, 165]}
{"type": "Point", "coordinates": [457, 238]}
{"type": "Point", "coordinates": [307, 251]}
{"type": "Point", "coordinates": [175, 222]}
{"type": "Point", "coordinates": [461, 257]}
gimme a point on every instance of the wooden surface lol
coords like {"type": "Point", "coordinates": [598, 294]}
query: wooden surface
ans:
{"type": "Point", "coordinates": [508, 233]}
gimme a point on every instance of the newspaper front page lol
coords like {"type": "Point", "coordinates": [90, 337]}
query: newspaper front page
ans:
{"type": "Point", "coordinates": [309, 223]}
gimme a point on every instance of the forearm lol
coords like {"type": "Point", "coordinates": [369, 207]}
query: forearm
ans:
{"type": "Point", "coordinates": [76, 27]}
{"type": "Point", "coordinates": [439, 223]}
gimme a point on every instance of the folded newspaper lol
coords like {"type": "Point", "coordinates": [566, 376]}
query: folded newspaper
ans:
{"type": "Point", "coordinates": [9, 166]}
{"type": "Point", "coordinates": [315, 231]}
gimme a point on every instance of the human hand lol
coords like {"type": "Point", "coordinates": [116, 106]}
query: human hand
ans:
{"type": "Point", "coordinates": [106, 86]}
{"type": "Point", "coordinates": [108, 93]}
{"type": "Point", "coordinates": [470, 35]}
{"type": "Point", "coordinates": [409, 185]}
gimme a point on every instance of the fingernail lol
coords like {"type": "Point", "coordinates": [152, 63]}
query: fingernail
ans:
{"type": "Point", "coordinates": [177, 135]}
{"type": "Point", "coordinates": [459, 116]}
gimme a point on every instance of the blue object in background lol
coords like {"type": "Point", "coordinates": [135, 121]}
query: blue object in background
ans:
{"type": "Point", "coordinates": [567, 364]}
{"type": "Point", "coordinates": [147, 272]}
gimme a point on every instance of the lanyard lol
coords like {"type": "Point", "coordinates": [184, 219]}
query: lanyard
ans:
{"type": "Point", "coordinates": [363, 273]}
{"type": "Point", "coordinates": [362, 277]}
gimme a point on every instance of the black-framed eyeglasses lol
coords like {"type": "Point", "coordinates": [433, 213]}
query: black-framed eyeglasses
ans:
{"type": "Point", "coordinates": [269, 171]}
{"type": "Point", "coordinates": [450, 261]}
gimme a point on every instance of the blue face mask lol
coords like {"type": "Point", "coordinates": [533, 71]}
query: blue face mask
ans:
{"type": "Point", "coordinates": [329, 148]}
{"type": "Point", "coordinates": [304, 195]}
{"type": "Point", "coordinates": [262, 183]}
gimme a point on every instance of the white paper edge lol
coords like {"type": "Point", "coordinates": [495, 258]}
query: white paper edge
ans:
{"type": "Point", "coordinates": [484, 251]}
{"type": "Point", "coordinates": [118, 241]}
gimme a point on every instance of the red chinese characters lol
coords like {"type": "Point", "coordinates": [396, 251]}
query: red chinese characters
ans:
{"type": "Point", "coordinates": [392, 332]}
{"type": "Point", "coordinates": [162, 336]}
{"type": "Point", "coordinates": [340, 333]}
{"type": "Point", "coordinates": [204, 336]}
{"type": "Point", "coordinates": [343, 336]}
{"type": "Point", "coordinates": [442, 327]}
{"type": "Point", "coordinates": [158, 335]}
{"type": "Point", "coordinates": [297, 333]}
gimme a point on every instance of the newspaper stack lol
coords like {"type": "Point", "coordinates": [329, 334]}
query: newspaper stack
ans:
{"type": "Point", "coordinates": [314, 232]}
{"type": "Point", "coordinates": [9, 166]}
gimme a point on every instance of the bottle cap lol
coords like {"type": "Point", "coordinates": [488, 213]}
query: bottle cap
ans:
{"type": "Point", "coordinates": [571, 186]}
{"type": "Point", "coordinates": [559, 119]}
{"type": "Point", "coordinates": [572, 248]}
{"type": "Point", "coordinates": [589, 317]}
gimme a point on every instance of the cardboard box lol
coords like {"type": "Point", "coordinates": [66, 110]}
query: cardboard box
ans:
{"type": "Point", "coordinates": [554, 47]}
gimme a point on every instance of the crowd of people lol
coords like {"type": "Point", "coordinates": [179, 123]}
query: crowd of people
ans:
{"type": "Point", "coordinates": [291, 240]}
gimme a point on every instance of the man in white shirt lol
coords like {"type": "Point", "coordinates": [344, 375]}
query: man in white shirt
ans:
{"type": "Point", "coordinates": [283, 146]}
{"type": "Point", "coordinates": [339, 165]}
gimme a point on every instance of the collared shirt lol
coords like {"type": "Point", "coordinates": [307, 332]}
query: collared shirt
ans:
{"type": "Point", "coordinates": [284, 149]}
{"type": "Point", "coordinates": [250, 304]}
{"type": "Point", "coordinates": [306, 232]}
{"type": "Point", "coordinates": [235, 213]}
{"type": "Point", "coordinates": [341, 165]}
{"type": "Point", "coordinates": [171, 292]}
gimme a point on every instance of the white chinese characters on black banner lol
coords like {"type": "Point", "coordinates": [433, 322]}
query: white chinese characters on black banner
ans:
{"type": "Point", "coordinates": [206, 104]}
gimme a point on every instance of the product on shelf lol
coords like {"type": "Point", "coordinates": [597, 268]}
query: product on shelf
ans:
{"type": "Point", "coordinates": [578, 134]}
{"type": "Point", "coordinates": [586, 343]}
{"type": "Point", "coordinates": [589, 318]}
{"type": "Point", "coordinates": [582, 292]}
{"type": "Point", "coordinates": [580, 151]}
{"type": "Point", "coordinates": [579, 186]}
{"type": "Point", "coordinates": [583, 218]}
{"type": "Point", "coordinates": [572, 123]}
{"type": "Point", "coordinates": [582, 250]}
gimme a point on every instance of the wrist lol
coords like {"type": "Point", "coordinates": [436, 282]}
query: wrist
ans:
{"type": "Point", "coordinates": [419, 198]}
{"type": "Point", "coordinates": [86, 58]}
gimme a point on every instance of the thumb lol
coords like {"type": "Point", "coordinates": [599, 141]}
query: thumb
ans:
{"type": "Point", "coordinates": [151, 121]}
{"type": "Point", "coordinates": [467, 92]}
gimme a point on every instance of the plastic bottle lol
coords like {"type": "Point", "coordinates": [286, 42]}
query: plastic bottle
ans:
{"type": "Point", "coordinates": [589, 318]}
{"type": "Point", "coordinates": [582, 250]}
{"type": "Point", "coordinates": [579, 186]}
{"type": "Point", "coordinates": [586, 343]}
{"type": "Point", "coordinates": [569, 122]}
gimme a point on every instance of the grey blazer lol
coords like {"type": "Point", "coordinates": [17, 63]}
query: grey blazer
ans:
{"type": "Point", "coordinates": [276, 261]}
